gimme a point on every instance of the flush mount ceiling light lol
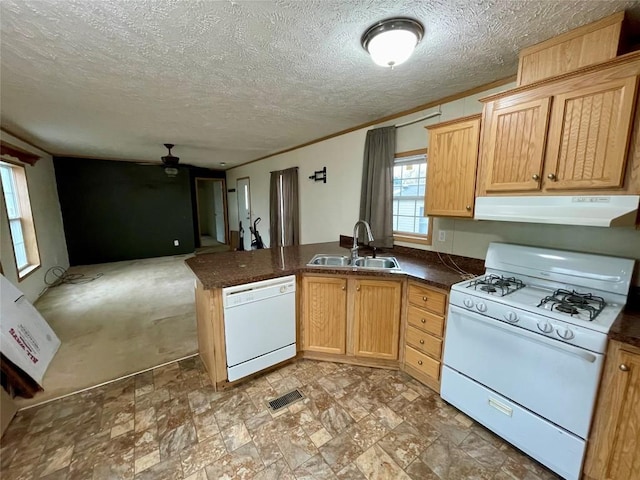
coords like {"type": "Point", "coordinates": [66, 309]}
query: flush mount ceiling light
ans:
{"type": "Point", "coordinates": [392, 41]}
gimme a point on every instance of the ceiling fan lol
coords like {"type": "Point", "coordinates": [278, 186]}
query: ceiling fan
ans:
{"type": "Point", "coordinates": [170, 160]}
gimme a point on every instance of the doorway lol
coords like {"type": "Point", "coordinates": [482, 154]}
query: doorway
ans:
{"type": "Point", "coordinates": [244, 211]}
{"type": "Point", "coordinates": [212, 212]}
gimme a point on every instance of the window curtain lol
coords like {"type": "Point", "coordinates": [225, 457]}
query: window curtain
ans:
{"type": "Point", "coordinates": [376, 203]}
{"type": "Point", "coordinates": [284, 222]}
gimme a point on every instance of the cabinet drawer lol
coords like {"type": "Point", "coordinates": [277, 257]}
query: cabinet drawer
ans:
{"type": "Point", "coordinates": [426, 321]}
{"type": "Point", "coordinates": [423, 363]}
{"type": "Point", "coordinates": [428, 299]}
{"type": "Point", "coordinates": [424, 342]}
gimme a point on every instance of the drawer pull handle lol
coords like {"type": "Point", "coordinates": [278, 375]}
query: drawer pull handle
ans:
{"type": "Point", "coordinates": [421, 342]}
{"type": "Point", "coordinates": [419, 362]}
{"type": "Point", "coordinates": [423, 320]}
{"type": "Point", "coordinates": [424, 299]}
{"type": "Point", "coordinates": [624, 368]}
{"type": "Point", "coordinates": [501, 407]}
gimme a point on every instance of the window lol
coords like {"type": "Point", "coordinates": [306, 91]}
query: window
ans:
{"type": "Point", "coordinates": [409, 186]}
{"type": "Point", "coordinates": [23, 235]}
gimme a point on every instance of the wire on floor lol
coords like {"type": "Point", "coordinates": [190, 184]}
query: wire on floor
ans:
{"type": "Point", "coordinates": [58, 275]}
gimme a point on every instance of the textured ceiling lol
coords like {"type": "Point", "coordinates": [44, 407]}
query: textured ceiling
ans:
{"type": "Point", "coordinates": [230, 81]}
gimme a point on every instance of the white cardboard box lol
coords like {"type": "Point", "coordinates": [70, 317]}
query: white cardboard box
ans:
{"type": "Point", "coordinates": [25, 337]}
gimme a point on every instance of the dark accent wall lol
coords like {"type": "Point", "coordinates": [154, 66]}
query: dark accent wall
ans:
{"type": "Point", "coordinates": [115, 211]}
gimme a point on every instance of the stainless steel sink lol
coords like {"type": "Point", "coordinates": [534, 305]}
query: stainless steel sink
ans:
{"type": "Point", "coordinates": [369, 263]}
{"type": "Point", "coordinates": [330, 260]}
{"type": "Point", "coordinates": [380, 263]}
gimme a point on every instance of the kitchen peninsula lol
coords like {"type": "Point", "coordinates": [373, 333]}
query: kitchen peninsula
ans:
{"type": "Point", "coordinates": [351, 315]}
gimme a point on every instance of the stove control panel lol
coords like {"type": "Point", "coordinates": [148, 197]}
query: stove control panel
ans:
{"type": "Point", "coordinates": [539, 323]}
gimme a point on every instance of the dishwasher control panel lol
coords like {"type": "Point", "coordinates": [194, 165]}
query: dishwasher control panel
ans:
{"type": "Point", "coordinates": [257, 291]}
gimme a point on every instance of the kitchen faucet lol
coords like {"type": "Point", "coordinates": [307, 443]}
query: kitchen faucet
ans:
{"type": "Point", "coordinates": [356, 232]}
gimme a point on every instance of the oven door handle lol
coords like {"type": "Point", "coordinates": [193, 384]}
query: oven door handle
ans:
{"type": "Point", "coordinates": [534, 337]}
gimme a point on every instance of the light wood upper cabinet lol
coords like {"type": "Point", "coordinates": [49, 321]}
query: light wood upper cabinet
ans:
{"type": "Point", "coordinates": [586, 45]}
{"type": "Point", "coordinates": [324, 314]}
{"type": "Point", "coordinates": [577, 134]}
{"type": "Point", "coordinates": [588, 136]}
{"type": "Point", "coordinates": [514, 146]}
{"type": "Point", "coordinates": [451, 167]}
{"type": "Point", "coordinates": [377, 318]}
{"type": "Point", "coordinates": [614, 449]}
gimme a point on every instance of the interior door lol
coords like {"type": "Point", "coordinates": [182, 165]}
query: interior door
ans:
{"type": "Point", "coordinates": [244, 210]}
{"type": "Point", "coordinates": [218, 211]}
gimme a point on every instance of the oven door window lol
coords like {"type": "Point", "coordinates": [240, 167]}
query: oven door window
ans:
{"type": "Point", "coordinates": [553, 379]}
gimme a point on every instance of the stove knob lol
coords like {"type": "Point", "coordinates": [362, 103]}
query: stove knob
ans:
{"type": "Point", "coordinates": [481, 307]}
{"type": "Point", "coordinates": [468, 303]}
{"type": "Point", "coordinates": [565, 333]}
{"type": "Point", "coordinates": [511, 317]}
{"type": "Point", "coordinates": [545, 327]}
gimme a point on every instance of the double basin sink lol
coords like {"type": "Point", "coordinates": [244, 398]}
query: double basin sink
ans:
{"type": "Point", "coordinates": [370, 263]}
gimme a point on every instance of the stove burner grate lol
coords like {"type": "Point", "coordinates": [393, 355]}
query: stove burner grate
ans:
{"type": "Point", "coordinates": [574, 303]}
{"type": "Point", "coordinates": [496, 284]}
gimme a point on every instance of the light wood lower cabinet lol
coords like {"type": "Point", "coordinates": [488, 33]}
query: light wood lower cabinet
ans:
{"type": "Point", "coordinates": [351, 317]}
{"type": "Point", "coordinates": [614, 449]}
{"type": "Point", "coordinates": [376, 320]}
{"type": "Point", "coordinates": [424, 333]}
{"type": "Point", "coordinates": [324, 326]}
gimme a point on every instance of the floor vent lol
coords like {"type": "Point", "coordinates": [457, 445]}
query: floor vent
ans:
{"type": "Point", "coordinates": [285, 400]}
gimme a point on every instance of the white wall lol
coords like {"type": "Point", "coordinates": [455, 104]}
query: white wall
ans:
{"type": "Point", "coordinates": [329, 210]}
{"type": "Point", "coordinates": [47, 217]}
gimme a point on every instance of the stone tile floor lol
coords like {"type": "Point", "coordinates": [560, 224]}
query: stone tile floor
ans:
{"type": "Point", "coordinates": [355, 423]}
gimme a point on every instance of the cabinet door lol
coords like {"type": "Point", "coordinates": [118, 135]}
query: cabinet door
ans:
{"type": "Point", "coordinates": [324, 310]}
{"type": "Point", "coordinates": [588, 136]}
{"type": "Point", "coordinates": [451, 168]}
{"type": "Point", "coordinates": [614, 444]}
{"type": "Point", "coordinates": [513, 148]}
{"type": "Point", "coordinates": [625, 458]}
{"type": "Point", "coordinates": [377, 319]}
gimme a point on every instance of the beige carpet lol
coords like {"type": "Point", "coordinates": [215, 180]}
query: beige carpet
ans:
{"type": "Point", "coordinates": [138, 315]}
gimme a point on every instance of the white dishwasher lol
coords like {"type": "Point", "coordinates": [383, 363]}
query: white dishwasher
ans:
{"type": "Point", "coordinates": [259, 325]}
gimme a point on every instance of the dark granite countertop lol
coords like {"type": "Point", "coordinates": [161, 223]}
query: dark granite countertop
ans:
{"type": "Point", "coordinates": [236, 268]}
{"type": "Point", "coordinates": [626, 328]}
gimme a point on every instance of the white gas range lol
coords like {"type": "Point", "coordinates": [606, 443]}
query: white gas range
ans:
{"type": "Point", "coordinates": [525, 344]}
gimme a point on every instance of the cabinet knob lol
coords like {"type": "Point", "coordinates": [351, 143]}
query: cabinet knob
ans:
{"type": "Point", "coordinates": [419, 362]}
{"type": "Point", "coordinates": [421, 342]}
{"type": "Point", "coordinates": [424, 299]}
{"type": "Point", "coordinates": [357, 289]}
{"type": "Point", "coordinates": [423, 320]}
{"type": "Point", "coordinates": [344, 288]}
{"type": "Point", "coordinates": [552, 177]}
{"type": "Point", "coordinates": [624, 368]}
{"type": "Point", "coordinates": [535, 176]}
{"type": "Point", "coordinates": [468, 207]}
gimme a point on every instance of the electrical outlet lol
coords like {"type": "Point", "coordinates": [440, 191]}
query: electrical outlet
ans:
{"type": "Point", "coordinates": [442, 235]}
{"type": "Point", "coordinates": [176, 243]}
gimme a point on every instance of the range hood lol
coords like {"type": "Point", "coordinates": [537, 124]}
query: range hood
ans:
{"type": "Point", "coordinates": [592, 211]}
